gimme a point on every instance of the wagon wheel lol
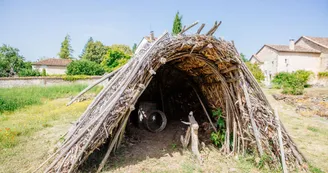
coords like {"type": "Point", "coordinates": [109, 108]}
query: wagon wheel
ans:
{"type": "Point", "coordinates": [156, 121]}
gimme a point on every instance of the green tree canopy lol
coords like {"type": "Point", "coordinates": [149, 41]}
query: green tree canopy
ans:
{"type": "Point", "coordinates": [11, 62]}
{"type": "Point", "coordinates": [177, 24]}
{"type": "Point", "coordinates": [66, 48]}
{"type": "Point", "coordinates": [114, 59]}
{"type": "Point", "coordinates": [84, 67]}
{"type": "Point", "coordinates": [90, 41]}
{"type": "Point", "coordinates": [243, 57]}
{"type": "Point", "coordinates": [124, 48]}
{"type": "Point", "coordinates": [256, 71]}
{"type": "Point", "coordinates": [134, 47]}
{"type": "Point", "coordinates": [95, 51]}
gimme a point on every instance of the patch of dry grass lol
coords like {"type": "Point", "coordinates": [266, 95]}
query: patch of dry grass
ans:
{"type": "Point", "coordinates": [309, 132]}
{"type": "Point", "coordinates": [37, 130]}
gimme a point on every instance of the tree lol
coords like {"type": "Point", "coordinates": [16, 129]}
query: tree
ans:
{"type": "Point", "coordinates": [66, 48]}
{"type": "Point", "coordinates": [114, 59]}
{"type": "Point", "coordinates": [243, 57]}
{"type": "Point", "coordinates": [11, 62]}
{"type": "Point", "coordinates": [124, 48]}
{"type": "Point", "coordinates": [95, 51]}
{"type": "Point", "coordinates": [177, 24]}
{"type": "Point", "coordinates": [256, 71]}
{"type": "Point", "coordinates": [134, 47]}
{"type": "Point", "coordinates": [84, 67]}
{"type": "Point", "coordinates": [90, 41]}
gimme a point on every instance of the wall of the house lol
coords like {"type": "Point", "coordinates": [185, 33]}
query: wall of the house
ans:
{"type": "Point", "coordinates": [269, 66]}
{"type": "Point", "coordinates": [50, 69]}
{"type": "Point", "coordinates": [324, 52]}
{"type": "Point", "coordinates": [293, 61]}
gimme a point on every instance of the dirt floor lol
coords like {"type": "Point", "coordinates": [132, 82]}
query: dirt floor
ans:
{"type": "Point", "coordinates": [162, 152]}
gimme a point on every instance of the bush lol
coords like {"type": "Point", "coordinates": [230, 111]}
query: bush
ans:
{"type": "Point", "coordinates": [279, 78]}
{"type": "Point", "coordinates": [28, 72]}
{"type": "Point", "coordinates": [44, 73]}
{"type": "Point", "coordinates": [323, 74]}
{"type": "Point", "coordinates": [74, 77]}
{"type": "Point", "coordinates": [84, 67]}
{"type": "Point", "coordinates": [114, 59]}
{"type": "Point", "coordinates": [292, 83]}
{"type": "Point", "coordinates": [256, 71]}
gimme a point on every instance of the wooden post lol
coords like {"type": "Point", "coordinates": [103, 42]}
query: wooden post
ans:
{"type": "Point", "coordinates": [194, 135]}
{"type": "Point", "coordinates": [282, 153]}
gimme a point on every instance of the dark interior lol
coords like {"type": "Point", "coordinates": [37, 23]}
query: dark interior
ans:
{"type": "Point", "coordinates": [172, 91]}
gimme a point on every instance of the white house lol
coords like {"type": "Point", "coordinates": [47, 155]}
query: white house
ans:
{"type": "Point", "coordinates": [144, 40]}
{"type": "Point", "coordinates": [307, 53]}
{"type": "Point", "coordinates": [52, 65]}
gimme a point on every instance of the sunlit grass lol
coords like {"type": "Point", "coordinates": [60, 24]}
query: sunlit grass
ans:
{"type": "Point", "coordinates": [34, 118]}
{"type": "Point", "coordinates": [12, 99]}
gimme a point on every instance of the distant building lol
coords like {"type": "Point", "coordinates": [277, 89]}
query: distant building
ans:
{"type": "Point", "coordinates": [307, 53]}
{"type": "Point", "coordinates": [52, 65]}
{"type": "Point", "coordinates": [146, 39]}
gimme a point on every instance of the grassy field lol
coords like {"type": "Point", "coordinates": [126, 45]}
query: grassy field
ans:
{"type": "Point", "coordinates": [15, 98]}
{"type": "Point", "coordinates": [33, 119]}
{"type": "Point", "coordinates": [29, 135]}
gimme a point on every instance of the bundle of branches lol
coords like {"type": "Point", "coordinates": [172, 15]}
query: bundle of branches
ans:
{"type": "Point", "coordinates": [225, 82]}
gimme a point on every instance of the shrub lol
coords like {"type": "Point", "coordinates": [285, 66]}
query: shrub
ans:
{"type": "Point", "coordinates": [28, 72]}
{"type": "Point", "coordinates": [44, 73]}
{"type": "Point", "coordinates": [303, 75]}
{"type": "Point", "coordinates": [114, 59]}
{"type": "Point", "coordinates": [292, 83]}
{"type": "Point", "coordinates": [84, 67]}
{"type": "Point", "coordinates": [279, 78]}
{"type": "Point", "coordinates": [256, 71]}
{"type": "Point", "coordinates": [323, 74]}
{"type": "Point", "coordinates": [74, 77]}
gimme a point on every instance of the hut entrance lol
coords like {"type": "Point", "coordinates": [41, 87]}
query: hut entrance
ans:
{"type": "Point", "coordinates": [171, 92]}
{"type": "Point", "coordinates": [168, 100]}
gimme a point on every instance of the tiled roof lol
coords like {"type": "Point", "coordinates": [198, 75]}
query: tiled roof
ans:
{"type": "Point", "coordinates": [53, 62]}
{"type": "Point", "coordinates": [285, 48]}
{"type": "Point", "coordinates": [323, 41]}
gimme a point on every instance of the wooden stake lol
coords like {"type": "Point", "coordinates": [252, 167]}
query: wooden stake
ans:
{"type": "Point", "coordinates": [282, 153]}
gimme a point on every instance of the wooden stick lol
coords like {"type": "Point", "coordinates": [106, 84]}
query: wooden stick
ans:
{"type": "Point", "coordinates": [200, 28]}
{"type": "Point", "coordinates": [249, 107]}
{"type": "Point", "coordinates": [282, 153]}
{"type": "Point", "coordinates": [186, 29]}
{"type": "Point", "coordinates": [185, 140]}
{"type": "Point", "coordinates": [108, 76]}
{"type": "Point", "coordinates": [205, 111]}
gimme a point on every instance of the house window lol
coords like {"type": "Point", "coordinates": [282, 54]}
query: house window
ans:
{"type": "Point", "coordinates": [286, 61]}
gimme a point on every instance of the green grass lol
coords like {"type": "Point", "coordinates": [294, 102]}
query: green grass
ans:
{"type": "Point", "coordinates": [24, 122]}
{"type": "Point", "coordinates": [313, 129]}
{"type": "Point", "coordinates": [28, 135]}
{"type": "Point", "coordinates": [12, 99]}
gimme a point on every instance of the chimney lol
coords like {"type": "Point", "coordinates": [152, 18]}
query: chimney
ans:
{"type": "Point", "coordinates": [152, 38]}
{"type": "Point", "coordinates": [291, 44]}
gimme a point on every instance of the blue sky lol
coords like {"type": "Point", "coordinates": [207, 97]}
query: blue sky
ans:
{"type": "Point", "coordinates": [37, 27]}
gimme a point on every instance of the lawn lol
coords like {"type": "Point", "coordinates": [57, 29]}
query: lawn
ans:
{"type": "Point", "coordinates": [12, 99]}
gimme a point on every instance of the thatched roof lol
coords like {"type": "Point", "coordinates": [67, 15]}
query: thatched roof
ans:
{"type": "Point", "coordinates": [226, 83]}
